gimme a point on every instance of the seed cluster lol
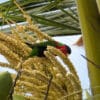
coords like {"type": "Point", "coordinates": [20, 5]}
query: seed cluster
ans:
{"type": "Point", "coordinates": [36, 71]}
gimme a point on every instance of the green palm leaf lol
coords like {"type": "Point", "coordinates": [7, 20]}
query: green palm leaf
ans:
{"type": "Point", "coordinates": [54, 17]}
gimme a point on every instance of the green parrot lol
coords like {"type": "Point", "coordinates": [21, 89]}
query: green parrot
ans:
{"type": "Point", "coordinates": [39, 48]}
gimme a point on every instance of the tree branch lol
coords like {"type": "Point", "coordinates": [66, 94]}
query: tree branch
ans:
{"type": "Point", "coordinates": [48, 87]}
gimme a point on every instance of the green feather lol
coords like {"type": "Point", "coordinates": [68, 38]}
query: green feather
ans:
{"type": "Point", "coordinates": [51, 43]}
{"type": "Point", "coordinates": [45, 43]}
{"type": "Point", "coordinates": [34, 52]}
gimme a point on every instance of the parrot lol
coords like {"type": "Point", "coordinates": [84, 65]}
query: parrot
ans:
{"type": "Point", "coordinates": [39, 48]}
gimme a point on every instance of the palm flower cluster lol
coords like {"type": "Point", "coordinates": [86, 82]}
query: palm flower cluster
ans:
{"type": "Point", "coordinates": [38, 78]}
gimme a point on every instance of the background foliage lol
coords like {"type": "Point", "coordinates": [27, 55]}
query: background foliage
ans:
{"type": "Point", "coordinates": [55, 17]}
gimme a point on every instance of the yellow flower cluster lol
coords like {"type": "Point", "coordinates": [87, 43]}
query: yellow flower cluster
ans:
{"type": "Point", "coordinates": [13, 49]}
{"type": "Point", "coordinates": [63, 86]}
{"type": "Point", "coordinates": [5, 65]}
{"type": "Point", "coordinates": [39, 73]}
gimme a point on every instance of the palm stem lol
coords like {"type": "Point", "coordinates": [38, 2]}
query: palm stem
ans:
{"type": "Point", "coordinates": [89, 19]}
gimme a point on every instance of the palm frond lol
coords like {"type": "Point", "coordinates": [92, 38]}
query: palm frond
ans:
{"type": "Point", "coordinates": [55, 17]}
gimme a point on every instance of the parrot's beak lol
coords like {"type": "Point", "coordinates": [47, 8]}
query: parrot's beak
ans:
{"type": "Point", "coordinates": [68, 49]}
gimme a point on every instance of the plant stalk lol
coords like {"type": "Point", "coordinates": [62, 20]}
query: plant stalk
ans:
{"type": "Point", "coordinates": [90, 26]}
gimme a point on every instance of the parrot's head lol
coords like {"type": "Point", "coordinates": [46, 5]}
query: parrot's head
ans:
{"type": "Point", "coordinates": [63, 48]}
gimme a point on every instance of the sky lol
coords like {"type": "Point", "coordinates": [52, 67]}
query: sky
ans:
{"type": "Point", "coordinates": [1, 1]}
